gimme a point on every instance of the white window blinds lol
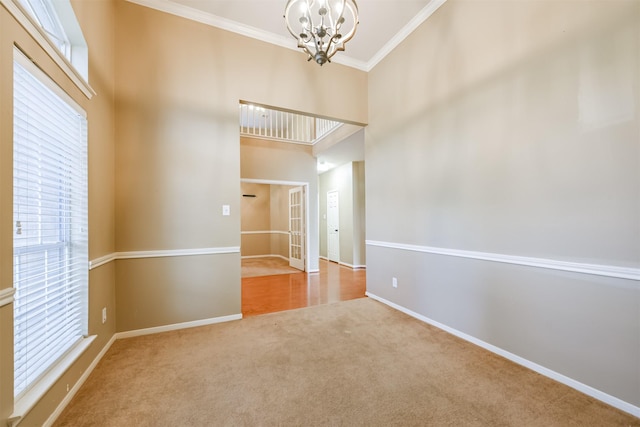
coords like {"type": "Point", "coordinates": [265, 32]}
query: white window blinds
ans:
{"type": "Point", "coordinates": [50, 223]}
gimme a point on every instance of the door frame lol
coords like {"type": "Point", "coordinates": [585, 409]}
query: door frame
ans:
{"type": "Point", "coordinates": [298, 229]}
{"type": "Point", "coordinates": [337, 193]}
{"type": "Point", "coordinates": [306, 209]}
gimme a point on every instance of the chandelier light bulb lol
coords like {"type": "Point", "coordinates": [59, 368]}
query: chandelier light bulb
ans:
{"type": "Point", "coordinates": [321, 27]}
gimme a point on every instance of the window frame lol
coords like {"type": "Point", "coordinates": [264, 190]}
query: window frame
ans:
{"type": "Point", "coordinates": [76, 71]}
{"type": "Point", "coordinates": [27, 399]}
{"type": "Point", "coordinates": [45, 15]}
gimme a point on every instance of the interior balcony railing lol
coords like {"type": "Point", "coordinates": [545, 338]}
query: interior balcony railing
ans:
{"type": "Point", "coordinates": [268, 123]}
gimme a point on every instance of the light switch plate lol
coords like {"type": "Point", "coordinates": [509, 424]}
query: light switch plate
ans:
{"type": "Point", "coordinates": [226, 210]}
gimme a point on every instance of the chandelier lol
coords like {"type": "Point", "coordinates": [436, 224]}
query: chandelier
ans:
{"type": "Point", "coordinates": [322, 27]}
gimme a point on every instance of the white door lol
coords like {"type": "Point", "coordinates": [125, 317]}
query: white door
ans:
{"type": "Point", "coordinates": [296, 228]}
{"type": "Point", "coordinates": [333, 227]}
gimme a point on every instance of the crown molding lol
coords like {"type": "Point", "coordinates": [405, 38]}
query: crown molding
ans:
{"type": "Point", "coordinates": [210, 19]}
{"type": "Point", "coordinates": [422, 16]}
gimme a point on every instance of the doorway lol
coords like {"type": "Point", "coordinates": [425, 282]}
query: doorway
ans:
{"type": "Point", "coordinates": [274, 227]}
{"type": "Point", "coordinates": [333, 226]}
{"type": "Point", "coordinates": [283, 147]}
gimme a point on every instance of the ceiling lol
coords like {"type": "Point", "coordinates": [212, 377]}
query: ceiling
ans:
{"type": "Point", "coordinates": [383, 23]}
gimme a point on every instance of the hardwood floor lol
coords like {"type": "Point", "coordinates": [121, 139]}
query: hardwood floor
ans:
{"type": "Point", "coordinates": [281, 292]}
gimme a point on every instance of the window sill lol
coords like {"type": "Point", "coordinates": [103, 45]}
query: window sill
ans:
{"type": "Point", "coordinates": [26, 402]}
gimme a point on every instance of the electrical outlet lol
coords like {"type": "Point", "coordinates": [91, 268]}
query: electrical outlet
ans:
{"type": "Point", "coordinates": [67, 388]}
{"type": "Point", "coordinates": [394, 282]}
{"type": "Point", "coordinates": [104, 315]}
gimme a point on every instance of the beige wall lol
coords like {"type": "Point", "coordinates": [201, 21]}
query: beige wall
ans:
{"type": "Point", "coordinates": [268, 211]}
{"type": "Point", "coordinates": [255, 211]}
{"type": "Point", "coordinates": [98, 23]}
{"type": "Point", "coordinates": [512, 128]}
{"type": "Point", "coordinates": [178, 84]}
{"type": "Point", "coordinates": [190, 299]}
{"type": "Point", "coordinates": [280, 206]}
{"type": "Point", "coordinates": [359, 215]}
{"type": "Point", "coordinates": [280, 219]}
{"type": "Point", "coordinates": [255, 215]}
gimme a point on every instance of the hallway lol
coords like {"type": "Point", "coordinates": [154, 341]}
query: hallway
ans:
{"type": "Point", "coordinates": [267, 294]}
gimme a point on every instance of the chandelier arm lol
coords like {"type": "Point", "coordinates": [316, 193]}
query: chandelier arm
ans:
{"type": "Point", "coordinates": [315, 44]}
{"type": "Point", "coordinates": [339, 42]}
{"type": "Point", "coordinates": [337, 48]}
{"type": "Point", "coordinates": [332, 41]}
{"type": "Point", "coordinates": [323, 40]}
{"type": "Point", "coordinates": [290, 3]}
{"type": "Point", "coordinates": [337, 25]}
{"type": "Point", "coordinates": [354, 15]}
{"type": "Point", "coordinates": [330, 14]}
{"type": "Point", "coordinates": [305, 48]}
{"type": "Point", "coordinates": [306, 14]}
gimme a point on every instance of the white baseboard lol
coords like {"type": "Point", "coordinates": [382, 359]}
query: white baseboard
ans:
{"type": "Point", "coordinates": [264, 256]}
{"type": "Point", "coordinates": [176, 326]}
{"type": "Point", "coordinates": [353, 267]}
{"type": "Point", "coordinates": [70, 395]}
{"type": "Point", "coordinates": [286, 233]}
{"type": "Point", "coordinates": [128, 334]}
{"type": "Point", "coordinates": [588, 390]}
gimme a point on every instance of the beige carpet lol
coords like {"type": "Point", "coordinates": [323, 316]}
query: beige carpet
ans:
{"type": "Point", "coordinates": [353, 363]}
{"type": "Point", "coordinates": [266, 266]}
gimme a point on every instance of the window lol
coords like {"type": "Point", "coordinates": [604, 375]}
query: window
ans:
{"type": "Point", "coordinates": [50, 250]}
{"type": "Point", "coordinates": [47, 18]}
{"type": "Point", "coordinates": [54, 25]}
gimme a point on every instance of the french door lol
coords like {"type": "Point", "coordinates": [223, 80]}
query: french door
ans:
{"type": "Point", "coordinates": [296, 228]}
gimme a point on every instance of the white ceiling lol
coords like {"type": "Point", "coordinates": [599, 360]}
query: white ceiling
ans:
{"type": "Point", "coordinates": [383, 23]}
